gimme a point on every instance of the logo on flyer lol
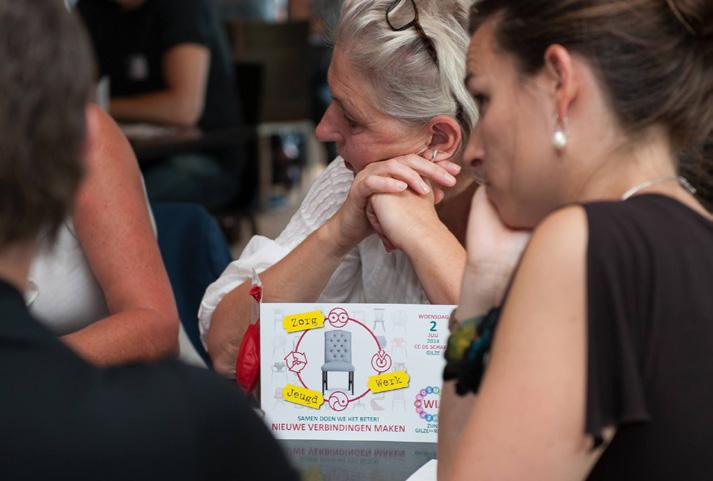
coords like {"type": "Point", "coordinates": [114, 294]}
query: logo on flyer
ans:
{"type": "Point", "coordinates": [427, 402]}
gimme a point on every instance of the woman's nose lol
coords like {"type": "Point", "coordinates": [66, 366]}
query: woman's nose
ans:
{"type": "Point", "coordinates": [474, 151]}
{"type": "Point", "coordinates": [326, 130]}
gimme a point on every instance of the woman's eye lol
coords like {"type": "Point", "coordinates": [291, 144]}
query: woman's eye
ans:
{"type": "Point", "coordinates": [351, 122]}
{"type": "Point", "coordinates": [480, 101]}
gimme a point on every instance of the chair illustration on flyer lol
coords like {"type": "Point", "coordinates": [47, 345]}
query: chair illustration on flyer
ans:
{"type": "Point", "coordinates": [353, 371]}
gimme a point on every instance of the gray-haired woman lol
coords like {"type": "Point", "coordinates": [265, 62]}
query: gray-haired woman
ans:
{"type": "Point", "coordinates": [386, 221]}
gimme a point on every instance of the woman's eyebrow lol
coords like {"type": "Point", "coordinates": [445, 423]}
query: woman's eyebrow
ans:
{"type": "Point", "coordinates": [344, 106]}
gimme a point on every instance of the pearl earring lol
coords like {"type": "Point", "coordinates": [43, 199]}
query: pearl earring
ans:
{"type": "Point", "coordinates": [559, 139]}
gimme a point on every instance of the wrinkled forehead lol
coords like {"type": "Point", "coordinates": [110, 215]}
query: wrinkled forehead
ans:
{"type": "Point", "coordinates": [482, 50]}
{"type": "Point", "coordinates": [347, 83]}
{"type": "Point", "coordinates": [341, 76]}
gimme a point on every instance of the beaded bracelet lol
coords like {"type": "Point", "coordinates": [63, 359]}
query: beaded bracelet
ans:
{"type": "Point", "coordinates": [468, 350]}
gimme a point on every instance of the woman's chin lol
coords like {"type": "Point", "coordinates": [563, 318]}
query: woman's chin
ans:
{"type": "Point", "coordinates": [511, 215]}
{"type": "Point", "coordinates": [517, 219]}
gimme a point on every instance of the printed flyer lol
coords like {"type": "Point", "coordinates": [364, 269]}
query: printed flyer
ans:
{"type": "Point", "coordinates": [358, 372]}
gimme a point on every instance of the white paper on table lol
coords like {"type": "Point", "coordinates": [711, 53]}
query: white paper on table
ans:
{"type": "Point", "coordinates": [411, 338]}
{"type": "Point", "coordinates": [427, 472]}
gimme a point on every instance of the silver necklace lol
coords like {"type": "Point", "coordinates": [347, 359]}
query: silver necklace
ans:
{"type": "Point", "coordinates": [638, 187]}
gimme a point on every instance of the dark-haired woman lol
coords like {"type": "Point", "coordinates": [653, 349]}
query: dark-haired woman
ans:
{"type": "Point", "coordinates": [600, 363]}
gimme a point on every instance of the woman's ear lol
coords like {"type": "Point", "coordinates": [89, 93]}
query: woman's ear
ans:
{"type": "Point", "coordinates": [561, 76]}
{"type": "Point", "coordinates": [445, 136]}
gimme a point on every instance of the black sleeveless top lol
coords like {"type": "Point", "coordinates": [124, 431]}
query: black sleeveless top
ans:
{"type": "Point", "coordinates": [650, 339]}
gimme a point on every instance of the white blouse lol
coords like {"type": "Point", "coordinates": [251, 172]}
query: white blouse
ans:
{"type": "Point", "coordinates": [367, 274]}
{"type": "Point", "coordinates": [63, 292]}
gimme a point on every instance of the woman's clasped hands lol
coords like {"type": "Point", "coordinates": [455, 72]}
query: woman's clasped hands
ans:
{"type": "Point", "coordinates": [392, 197]}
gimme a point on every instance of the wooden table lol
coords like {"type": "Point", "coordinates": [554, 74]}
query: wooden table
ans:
{"type": "Point", "coordinates": [152, 143]}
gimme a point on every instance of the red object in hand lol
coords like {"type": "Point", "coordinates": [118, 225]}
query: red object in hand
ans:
{"type": "Point", "coordinates": [247, 364]}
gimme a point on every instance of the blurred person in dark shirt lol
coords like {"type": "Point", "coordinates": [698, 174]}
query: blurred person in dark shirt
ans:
{"type": "Point", "coordinates": [168, 64]}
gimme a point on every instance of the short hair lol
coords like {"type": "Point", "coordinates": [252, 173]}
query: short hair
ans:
{"type": "Point", "coordinates": [653, 59]}
{"type": "Point", "coordinates": [45, 79]}
{"type": "Point", "coordinates": [406, 82]}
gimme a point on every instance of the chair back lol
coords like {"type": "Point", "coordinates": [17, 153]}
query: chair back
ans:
{"type": "Point", "coordinates": [283, 51]}
{"type": "Point", "coordinates": [338, 346]}
{"type": "Point", "coordinates": [195, 253]}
